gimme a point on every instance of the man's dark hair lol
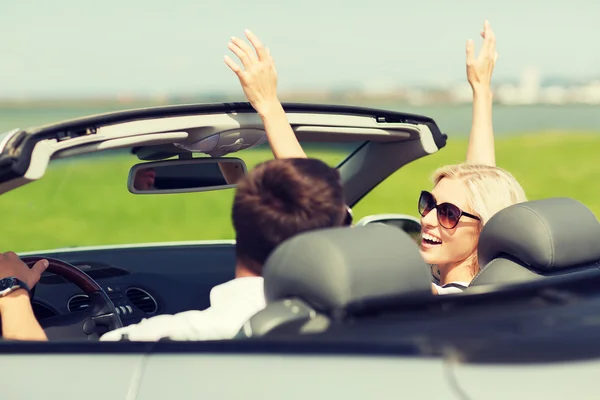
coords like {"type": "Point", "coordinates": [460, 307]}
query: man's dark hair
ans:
{"type": "Point", "coordinates": [281, 198]}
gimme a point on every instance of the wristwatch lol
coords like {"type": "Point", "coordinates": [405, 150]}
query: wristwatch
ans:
{"type": "Point", "coordinates": [10, 284]}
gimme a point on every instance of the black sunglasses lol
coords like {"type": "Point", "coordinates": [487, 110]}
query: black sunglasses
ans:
{"type": "Point", "coordinates": [448, 214]}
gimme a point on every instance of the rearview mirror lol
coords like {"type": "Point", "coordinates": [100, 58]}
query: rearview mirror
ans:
{"type": "Point", "coordinates": [407, 223]}
{"type": "Point", "coordinates": [185, 176]}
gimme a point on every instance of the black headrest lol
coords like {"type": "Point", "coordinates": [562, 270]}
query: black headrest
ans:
{"type": "Point", "coordinates": [548, 235]}
{"type": "Point", "coordinates": [344, 271]}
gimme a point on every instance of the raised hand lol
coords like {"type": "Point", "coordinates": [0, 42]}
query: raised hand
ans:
{"type": "Point", "coordinates": [479, 73]}
{"type": "Point", "coordinates": [480, 68]}
{"type": "Point", "coordinates": [258, 76]}
{"type": "Point", "coordinates": [259, 81]}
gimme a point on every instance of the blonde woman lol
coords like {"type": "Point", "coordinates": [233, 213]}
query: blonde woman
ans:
{"type": "Point", "coordinates": [464, 196]}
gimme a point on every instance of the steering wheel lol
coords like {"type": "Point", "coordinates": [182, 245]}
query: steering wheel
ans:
{"type": "Point", "coordinates": [101, 312]}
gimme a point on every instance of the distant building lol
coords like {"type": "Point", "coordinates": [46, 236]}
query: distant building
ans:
{"type": "Point", "coordinates": [526, 92]}
{"type": "Point", "coordinates": [529, 86]}
{"type": "Point", "coordinates": [461, 93]}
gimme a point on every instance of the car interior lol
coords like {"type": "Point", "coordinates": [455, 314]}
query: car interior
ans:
{"type": "Point", "coordinates": [315, 283]}
{"type": "Point", "coordinates": [317, 277]}
{"type": "Point", "coordinates": [136, 281]}
{"type": "Point", "coordinates": [147, 279]}
{"type": "Point", "coordinates": [526, 249]}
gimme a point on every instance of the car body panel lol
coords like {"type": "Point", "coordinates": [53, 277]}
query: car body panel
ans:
{"type": "Point", "coordinates": [69, 376]}
{"type": "Point", "coordinates": [538, 380]}
{"type": "Point", "coordinates": [222, 369]}
{"type": "Point", "coordinates": [271, 377]}
{"type": "Point", "coordinates": [159, 372]}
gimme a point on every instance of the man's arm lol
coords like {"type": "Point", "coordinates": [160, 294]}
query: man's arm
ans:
{"type": "Point", "coordinates": [259, 82]}
{"type": "Point", "coordinates": [187, 325]}
{"type": "Point", "coordinates": [479, 74]}
{"type": "Point", "coordinates": [18, 320]}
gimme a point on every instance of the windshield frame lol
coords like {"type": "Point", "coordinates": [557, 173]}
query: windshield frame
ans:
{"type": "Point", "coordinates": [6, 136]}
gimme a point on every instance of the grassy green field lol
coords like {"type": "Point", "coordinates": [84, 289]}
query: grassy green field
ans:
{"type": "Point", "coordinates": [87, 203]}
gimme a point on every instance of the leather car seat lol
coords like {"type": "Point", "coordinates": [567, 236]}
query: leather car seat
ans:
{"type": "Point", "coordinates": [338, 274]}
{"type": "Point", "coordinates": [538, 240]}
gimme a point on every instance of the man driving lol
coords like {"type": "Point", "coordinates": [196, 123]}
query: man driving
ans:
{"type": "Point", "coordinates": [275, 201]}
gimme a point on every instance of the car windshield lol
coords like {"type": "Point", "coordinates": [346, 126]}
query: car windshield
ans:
{"type": "Point", "coordinates": [84, 201]}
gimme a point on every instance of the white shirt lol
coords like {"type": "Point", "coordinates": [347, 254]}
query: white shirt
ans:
{"type": "Point", "coordinates": [231, 305]}
{"type": "Point", "coordinates": [452, 287]}
{"type": "Point", "coordinates": [448, 288]}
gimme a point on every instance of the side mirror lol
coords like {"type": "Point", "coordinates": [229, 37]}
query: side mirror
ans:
{"type": "Point", "coordinates": [185, 176]}
{"type": "Point", "coordinates": [407, 223]}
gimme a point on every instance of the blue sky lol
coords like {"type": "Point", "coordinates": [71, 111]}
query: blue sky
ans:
{"type": "Point", "coordinates": [68, 47]}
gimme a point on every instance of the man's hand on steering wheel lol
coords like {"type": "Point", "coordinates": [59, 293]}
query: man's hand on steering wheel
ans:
{"type": "Point", "coordinates": [18, 319]}
{"type": "Point", "coordinates": [11, 265]}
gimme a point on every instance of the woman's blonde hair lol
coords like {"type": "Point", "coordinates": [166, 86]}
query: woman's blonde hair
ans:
{"type": "Point", "coordinates": [489, 190]}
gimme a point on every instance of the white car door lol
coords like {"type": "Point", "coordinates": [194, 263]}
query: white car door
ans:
{"type": "Point", "coordinates": [290, 377]}
{"type": "Point", "coordinates": [78, 375]}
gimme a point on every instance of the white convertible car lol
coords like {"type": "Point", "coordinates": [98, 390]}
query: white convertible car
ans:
{"type": "Point", "coordinates": [352, 318]}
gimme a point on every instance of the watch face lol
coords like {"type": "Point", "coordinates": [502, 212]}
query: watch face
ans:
{"type": "Point", "coordinates": [7, 283]}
